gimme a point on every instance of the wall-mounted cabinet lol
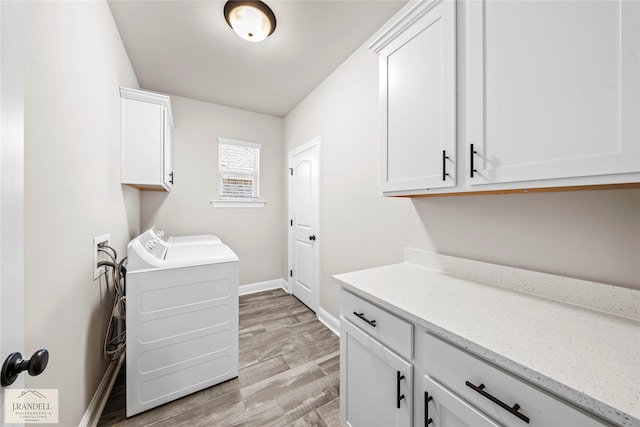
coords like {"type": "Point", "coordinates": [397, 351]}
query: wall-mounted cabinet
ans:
{"type": "Point", "coordinates": [147, 123]}
{"type": "Point", "coordinates": [552, 89]}
{"type": "Point", "coordinates": [417, 100]}
{"type": "Point", "coordinates": [548, 95]}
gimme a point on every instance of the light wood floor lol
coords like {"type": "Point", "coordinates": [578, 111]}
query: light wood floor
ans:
{"type": "Point", "coordinates": [289, 374]}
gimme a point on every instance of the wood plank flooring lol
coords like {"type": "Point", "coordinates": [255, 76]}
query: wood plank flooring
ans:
{"type": "Point", "coordinates": [289, 375]}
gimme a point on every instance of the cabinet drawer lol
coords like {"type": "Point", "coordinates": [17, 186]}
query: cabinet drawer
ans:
{"type": "Point", "coordinates": [443, 408]}
{"type": "Point", "coordinates": [380, 324]}
{"type": "Point", "coordinates": [475, 381]}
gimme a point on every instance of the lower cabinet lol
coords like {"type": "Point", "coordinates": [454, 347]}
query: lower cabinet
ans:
{"type": "Point", "coordinates": [444, 409]}
{"type": "Point", "coordinates": [451, 388]}
{"type": "Point", "coordinates": [376, 385]}
{"type": "Point", "coordinates": [465, 386]}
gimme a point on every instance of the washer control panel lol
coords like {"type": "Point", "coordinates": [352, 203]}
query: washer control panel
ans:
{"type": "Point", "coordinates": [159, 233]}
{"type": "Point", "coordinates": [154, 245]}
{"type": "Point", "coordinates": [146, 251]}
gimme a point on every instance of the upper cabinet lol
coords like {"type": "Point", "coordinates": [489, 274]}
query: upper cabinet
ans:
{"type": "Point", "coordinates": [552, 89]}
{"type": "Point", "coordinates": [547, 95]}
{"type": "Point", "coordinates": [417, 100]}
{"type": "Point", "coordinates": [147, 123]}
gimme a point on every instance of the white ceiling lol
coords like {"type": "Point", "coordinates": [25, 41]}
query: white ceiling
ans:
{"type": "Point", "coordinates": [186, 48]}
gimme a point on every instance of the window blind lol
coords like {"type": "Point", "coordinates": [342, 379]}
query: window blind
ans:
{"type": "Point", "coordinates": [238, 169]}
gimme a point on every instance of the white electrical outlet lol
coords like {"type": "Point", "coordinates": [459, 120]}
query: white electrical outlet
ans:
{"type": "Point", "coordinates": [99, 255]}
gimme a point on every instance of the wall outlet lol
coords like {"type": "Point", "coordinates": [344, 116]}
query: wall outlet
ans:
{"type": "Point", "coordinates": [99, 255]}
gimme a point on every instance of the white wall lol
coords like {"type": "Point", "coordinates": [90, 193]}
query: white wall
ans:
{"type": "Point", "coordinates": [74, 64]}
{"type": "Point", "coordinates": [359, 228]}
{"type": "Point", "coordinates": [256, 235]}
{"type": "Point", "coordinates": [591, 235]}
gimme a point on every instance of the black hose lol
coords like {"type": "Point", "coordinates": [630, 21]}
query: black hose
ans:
{"type": "Point", "coordinates": [106, 263]}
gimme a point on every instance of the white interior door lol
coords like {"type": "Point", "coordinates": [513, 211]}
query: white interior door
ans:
{"type": "Point", "coordinates": [11, 185]}
{"type": "Point", "coordinates": [304, 236]}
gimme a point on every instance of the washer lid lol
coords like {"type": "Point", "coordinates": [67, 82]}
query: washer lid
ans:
{"type": "Point", "coordinates": [196, 239]}
{"type": "Point", "coordinates": [159, 234]}
{"type": "Point", "coordinates": [186, 255]}
{"type": "Point", "coordinates": [148, 252]}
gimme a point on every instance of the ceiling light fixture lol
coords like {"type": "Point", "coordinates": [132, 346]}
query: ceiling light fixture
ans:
{"type": "Point", "coordinates": [253, 21]}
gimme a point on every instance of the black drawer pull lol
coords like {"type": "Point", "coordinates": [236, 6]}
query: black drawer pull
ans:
{"type": "Point", "coordinates": [444, 165]}
{"type": "Point", "coordinates": [399, 396]}
{"type": "Point", "coordinates": [427, 399]}
{"type": "Point", "coordinates": [361, 316]}
{"type": "Point", "coordinates": [512, 409]}
{"type": "Point", "coordinates": [472, 152]}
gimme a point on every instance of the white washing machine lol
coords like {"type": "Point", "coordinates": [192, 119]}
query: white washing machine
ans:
{"type": "Point", "coordinates": [184, 240]}
{"type": "Point", "coordinates": [182, 320]}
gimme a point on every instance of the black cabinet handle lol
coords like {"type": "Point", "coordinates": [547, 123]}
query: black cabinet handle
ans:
{"type": "Point", "coordinates": [427, 399]}
{"type": "Point", "coordinates": [472, 152]}
{"type": "Point", "coordinates": [312, 237]}
{"type": "Point", "coordinates": [512, 409]}
{"type": "Point", "coordinates": [399, 396]}
{"type": "Point", "coordinates": [361, 316]}
{"type": "Point", "coordinates": [171, 178]}
{"type": "Point", "coordinates": [444, 165]}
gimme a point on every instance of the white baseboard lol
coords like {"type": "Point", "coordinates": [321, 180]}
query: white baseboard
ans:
{"type": "Point", "coordinates": [329, 321]}
{"type": "Point", "coordinates": [268, 285]}
{"type": "Point", "coordinates": [100, 397]}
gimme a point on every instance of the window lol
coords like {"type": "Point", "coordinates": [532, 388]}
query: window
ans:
{"type": "Point", "coordinates": [238, 172]}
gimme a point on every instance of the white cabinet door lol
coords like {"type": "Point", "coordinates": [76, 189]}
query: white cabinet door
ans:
{"type": "Point", "coordinates": [375, 384]}
{"type": "Point", "coordinates": [146, 140]}
{"type": "Point", "coordinates": [553, 89]}
{"type": "Point", "coordinates": [442, 408]}
{"type": "Point", "coordinates": [167, 152]}
{"type": "Point", "coordinates": [417, 100]}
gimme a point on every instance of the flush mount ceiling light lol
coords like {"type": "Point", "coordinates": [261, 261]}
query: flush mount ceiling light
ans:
{"type": "Point", "coordinates": [254, 21]}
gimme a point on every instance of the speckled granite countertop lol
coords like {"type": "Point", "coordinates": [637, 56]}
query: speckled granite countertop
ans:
{"type": "Point", "coordinates": [587, 357]}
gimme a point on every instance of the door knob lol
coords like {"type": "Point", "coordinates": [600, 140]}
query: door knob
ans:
{"type": "Point", "coordinates": [312, 237]}
{"type": "Point", "coordinates": [14, 364]}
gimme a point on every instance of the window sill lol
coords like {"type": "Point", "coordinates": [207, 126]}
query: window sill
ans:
{"type": "Point", "coordinates": [238, 203]}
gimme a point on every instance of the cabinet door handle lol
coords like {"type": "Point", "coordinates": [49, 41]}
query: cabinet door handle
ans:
{"type": "Point", "coordinates": [472, 152]}
{"type": "Point", "coordinates": [444, 165]}
{"type": "Point", "coordinates": [427, 399]}
{"type": "Point", "coordinates": [171, 178]}
{"type": "Point", "coordinates": [399, 396]}
{"type": "Point", "coordinates": [512, 409]}
{"type": "Point", "coordinates": [361, 316]}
